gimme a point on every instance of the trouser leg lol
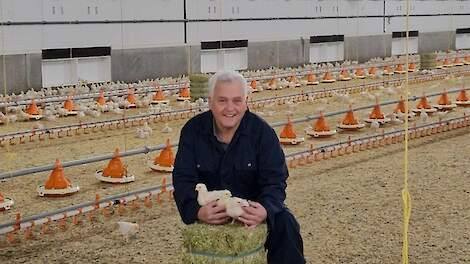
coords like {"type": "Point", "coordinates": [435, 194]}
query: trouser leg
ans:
{"type": "Point", "coordinates": [284, 243]}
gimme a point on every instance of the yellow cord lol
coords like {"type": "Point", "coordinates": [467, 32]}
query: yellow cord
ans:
{"type": "Point", "coordinates": [405, 193]}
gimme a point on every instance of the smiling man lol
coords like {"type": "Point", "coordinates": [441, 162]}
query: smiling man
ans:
{"type": "Point", "coordinates": [231, 148]}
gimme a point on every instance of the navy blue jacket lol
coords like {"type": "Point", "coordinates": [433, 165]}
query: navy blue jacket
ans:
{"type": "Point", "coordinates": [253, 167]}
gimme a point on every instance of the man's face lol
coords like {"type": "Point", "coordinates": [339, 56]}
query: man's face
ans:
{"type": "Point", "coordinates": [228, 104]}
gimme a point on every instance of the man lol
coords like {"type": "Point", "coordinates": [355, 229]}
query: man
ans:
{"type": "Point", "coordinates": [231, 148]}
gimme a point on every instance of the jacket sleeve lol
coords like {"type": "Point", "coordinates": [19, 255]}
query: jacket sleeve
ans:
{"type": "Point", "coordinates": [273, 174]}
{"type": "Point", "coordinates": [185, 177]}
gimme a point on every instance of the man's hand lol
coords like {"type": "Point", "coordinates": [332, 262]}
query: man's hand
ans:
{"type": "Point", "coordinates": [253, 215]}
{"type": "Point", "coordinates": [211, 213]}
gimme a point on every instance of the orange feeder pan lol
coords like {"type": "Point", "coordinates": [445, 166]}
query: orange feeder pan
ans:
{"type": "Point", "coordinates": [462, 99]}
{"type": "Point", "coordinates": [387, 70]}
{"type": "Point", "coordinates": [377, 115]}
{"type": "Point", "coordinates": [159, 97]}
{"type": "Point", "coordinates": [5, 203]}
{"type": "Point", "coordinates": [101, 101]}
{"type": "Point", "coordinates": [254, 86]}
{"type": "Point", "coordinates": [399, 69]}
{"type": "Point", "coordinates": [344, 75]}
{"type": "Point", "coordinates": [400, 110]}
{"type": "Point", "coordinates": [350, 122]}
{"type": "Point", "coordinates": [312, 79]}
{"type": "Point", "coordinates": [165, 161]}
{"type": "Point", "coordinates": [447, 63]}
{"type": "Point", "coordinates": [69, 107]}
{"type": "Point", "coordinates": [439, 64]}
{"type": "Point", "coordinates": [115, 172]}
{"type": "Point", "coordinates": [411, 67]}
{"type": "Point", "coordinates": [184, 94]}
{"type": "Point", "coordinates": [57, 184]}
{"type": "Point", "coordinates": [321, 128]}
{"type": "Point", "coordinates": [424, 105]}
{"type": "Point", "coordinates": [288, 136]}
{"type": "Point", "coordinates": [359, 73]}
{"type": "Point", "coordinates": [272, 84]}
{"type": "Point", "coordinates": [33, 111]}
{"type": "Point", "coordinates": [466, 60]}
{"type": "Point", "coordinates": [458, 62]}
{"type": "Point", "coordinates": [328, 78]}
{"type": "Point", "coordinates": [444, 103]}
{"type": "Point", "coordinates": [372, 72]}
{"type": "Point", "coordinates": [131, 99]}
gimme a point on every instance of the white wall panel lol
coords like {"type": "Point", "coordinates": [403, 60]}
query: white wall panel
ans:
{"type": "Point", "coordinates": [461, 22]}
{"type": "Point", "coordinates": [326, 52]}
{"type": "Point", "coordinates": [235, 59]}
{"type": "Point", "coordinates": [94, 69]}
{"type": "Point", "coordinates": [14, 10]}
{"type": "Point", "coordinates": [281, 29]}
{"type": "Point", "coordinates": [224, 59]}
{"type": "Point", "coordinates": [210, 61]}
{"type": "Point", "coordinates": [23, 39]}
{"type": "Point", "coordinates": [360, 26]}
{"type": "Point", "coordinates": [71, 36]}
{"type": "Point", "coordinates": [56, 10]}
{"type": "Point", "coordinates": [462, 41]}
{"type": "Point", "coordinates": [203, 9]}
{"type": "Point", "coordinates": [461, 7]}
{"type": "Point", "coordinates": [153, 9]}
{"type": "Point", "coordinates": [59, 72]}
{"type": "Point", "coordinates": [152, 35]}
{"type": "Point", "coordinates": [422, 24]}
{"type": "Point", "coordinates": [96, 10]}
{"type": "Point", "coordinates": [398, 46]}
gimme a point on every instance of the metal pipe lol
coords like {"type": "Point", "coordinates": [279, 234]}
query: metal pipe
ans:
{"type": "Point", "coordinates": [115, 199]}
{"type": "Point", "coordinates": [32, 170]}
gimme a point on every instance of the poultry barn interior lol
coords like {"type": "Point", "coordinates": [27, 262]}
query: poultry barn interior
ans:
{"type": "Point", "coordinates": [369, 100]}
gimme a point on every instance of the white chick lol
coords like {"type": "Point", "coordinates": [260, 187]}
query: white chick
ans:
{"type": "Point", "coordinates": [375, 125]}
{"type": "Point", "coordinates": [142, 134]}
{"type": "Point", "coordinates": [38, 126]}
{"type": "Point", "coordinates": [147, 128]}
{"type": "Point", "coordinates": [12, 118]}
{"type": "Point", "coordinates": [128, 229]}
{"type": "Point", "coordinates": [234, 207]}
{"type": "Point", "coordinates": [204, 197]}
{"type": "Point", "coordinates": [441, 115]}
{"type": "Point", "coordinates": [22, 116]}
{"type": "Point", "coordinates": [395, 120]}
{"type": "Point", "coordinates": [423, 116]}
{"type": "Point", "coordinates": [167, 129]}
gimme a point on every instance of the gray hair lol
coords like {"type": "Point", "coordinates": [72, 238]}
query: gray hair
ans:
{"type": "Point", "coordinates": [227, 76]}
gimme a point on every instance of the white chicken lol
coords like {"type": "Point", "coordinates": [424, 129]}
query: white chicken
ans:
{"type": "Point", "coordinates": [141, 133]}
{"type": "Point", "coordinates": [423, 116]}
{"type": "Point", "coordinates": [128, 229]}
{"type": "Point", "coordinates": [204, 197]}
{"type": "Point", "coordinates": [147, 128]}
{"type": "Point", "coordinates": [167, 129]}
{"type": "Point", "coordinates": [234, 207]}
{"type": "Point", "coordinates": [375, 125]}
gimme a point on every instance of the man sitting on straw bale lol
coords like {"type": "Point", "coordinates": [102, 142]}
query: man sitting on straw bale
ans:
{"type": "Point", "coordinates": [231, 148]}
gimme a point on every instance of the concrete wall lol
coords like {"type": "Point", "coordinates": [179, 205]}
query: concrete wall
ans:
{"type": "Point", "coordinates": [22, 72]}
{"type": "Point", "coordinates": [432, 41]}
{"type": "Point", "coordinates": [140, 64]}
{"type": "Point", "coordinates": [273, 53]}
{"type": "Point", "coordinates": [362, 48]}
